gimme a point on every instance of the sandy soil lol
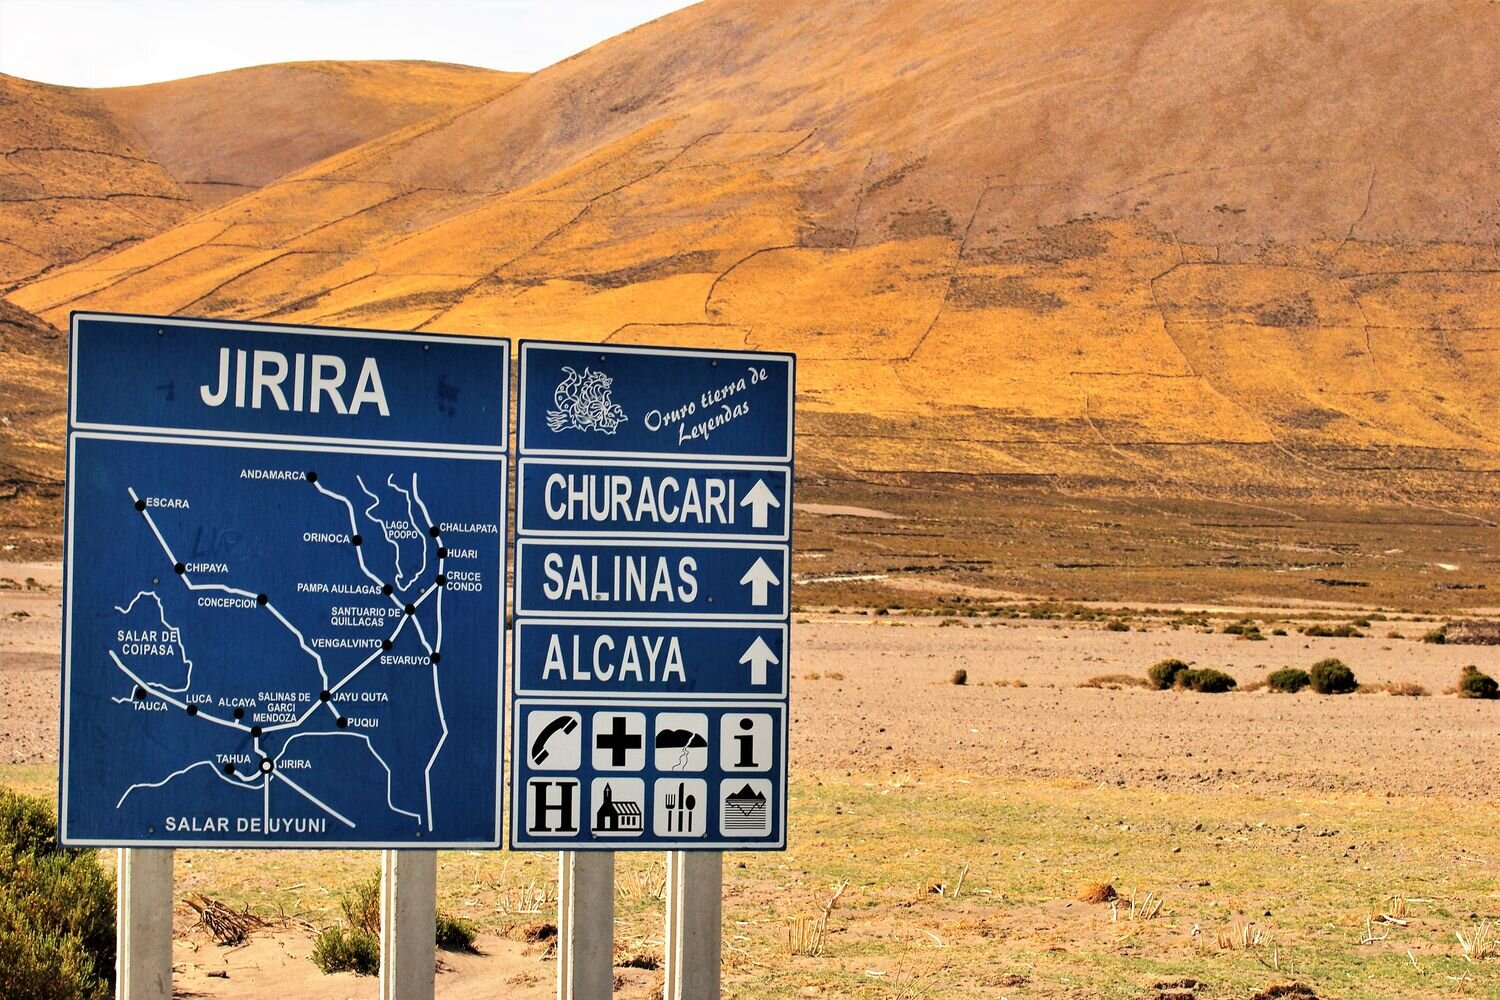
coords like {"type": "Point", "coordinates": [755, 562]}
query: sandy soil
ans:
{"type": "Point", "coordinates": [873, 695]}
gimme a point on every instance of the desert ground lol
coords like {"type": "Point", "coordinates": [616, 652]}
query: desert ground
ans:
{"type": "Point", "coordinates": [963, 821]}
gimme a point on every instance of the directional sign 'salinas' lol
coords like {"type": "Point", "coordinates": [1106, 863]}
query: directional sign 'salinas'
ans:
{"type": "Point", "coordinates": [653, 584]}
{"type": "Point", "coordinates": [284, 581]}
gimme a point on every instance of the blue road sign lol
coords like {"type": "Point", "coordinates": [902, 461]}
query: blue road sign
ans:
{"type": "Point", "coordinates": [273, 637]}
{"type": "Point", "coordinates": [672, 580]}
{"type": "Point", "coordinates": [653, 561]}
{"type": "Point", "coordinates": [650, 659]}
{"type": "Point", "coordinates": [593, 497]}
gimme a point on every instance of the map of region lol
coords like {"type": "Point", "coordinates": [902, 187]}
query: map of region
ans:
{"type": "Point", "coordinates": [286, 645]}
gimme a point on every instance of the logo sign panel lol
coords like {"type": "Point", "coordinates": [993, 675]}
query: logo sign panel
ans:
{"type": "Point", "coordinates": [284, 578]}
{"type": "Point", "coordinates": [653, 588]}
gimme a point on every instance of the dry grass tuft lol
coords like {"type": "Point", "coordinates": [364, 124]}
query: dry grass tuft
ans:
{"type": "Point", "coordinates": [1115, 682]}
{"type": "Point", "coordinates": [1480, 943]}
{"type": "Point", "coordinates": [1097, 892]}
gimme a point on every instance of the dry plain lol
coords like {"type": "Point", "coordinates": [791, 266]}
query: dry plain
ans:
{"type": "Point", "coordinates": [963, 821]}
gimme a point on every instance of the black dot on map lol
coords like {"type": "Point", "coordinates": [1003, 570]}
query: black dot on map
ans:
{"type": "Point", "coordinates": [358, 539]}
{"type": "Point", "coordinates": [387, 590]}
{"type": "Point", "coordinates": [442, 552]}
{"type": "Point", "coordinates": [255, 731]}
{"type": "Point", "coordinates": [266, 766]}
{"type": "Point", "coordinates": [239, 713]}
{"type": "Point", "coordinates": [411, 609]}
{"type": "Point", "coordinates": [385, 644]}
{"type": "Point", "coordinates": [324, 695]}
{"type": "Point", "coordinates": [434, 531]}
{"type": "Point", "coordinates": [343, 723]}
{"type": "Point", "coordinates": [262, 600]}
{"type": "Point", "coordinates": [140, 693]}
{"type": "Point", "coordinates": [228, 768]}
{"type": "Point", "coordinates": [192, 710]}
{"type": "Point", "coordinates": [441, 580]}
{"type": "Point", "coordinates": [140, 505]}
{"type": "Point", "coordinates": [180, 569]}
{"type": "Point", "coordinates": [312, 477]}
{"type": "Point", "coordinates": [435, 658]}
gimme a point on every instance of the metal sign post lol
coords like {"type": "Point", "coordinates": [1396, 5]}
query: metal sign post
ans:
{"type": "Point", "coordinates": [585, 925]}
{"type": "Point", "coordinates": [695, 917]}
{"type": "Point", "coordinates": [652, 566]}
{"type": "Point", "coordinates": [408, 909]}
{"type": "Point", "coordinates": [284, 576]}
{"type": "Point", "coordinates": [143, 919]}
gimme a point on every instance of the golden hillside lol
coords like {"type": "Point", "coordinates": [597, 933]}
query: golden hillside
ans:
{"type": "Point", "coordinates": [85, 172]}
{"type": "Point", "coordinates": [1245, 251]}
{"type": "Point", "coordinates": [225, 134]}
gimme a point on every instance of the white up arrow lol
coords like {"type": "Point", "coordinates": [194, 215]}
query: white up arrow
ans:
{"type": "Point", "coordinates": [760, 578]}
{"type": "Point", "coordinates": [760, 500]}
{"type": "Point", "coordinates": [758, 655]}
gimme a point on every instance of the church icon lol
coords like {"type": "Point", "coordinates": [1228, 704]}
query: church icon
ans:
{"type": "Point", "coordinates": [618, 808]}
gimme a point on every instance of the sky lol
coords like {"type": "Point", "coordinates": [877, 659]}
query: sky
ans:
{"type": "Point", "coordinates": [115, 43]}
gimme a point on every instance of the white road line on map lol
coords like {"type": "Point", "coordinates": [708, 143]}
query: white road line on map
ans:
{"type": "Point", "coordinates": [384, 527]}
{"type": "Point", "coordinates": [170, 700]}
{"type": "Point", "coordinates": [162, 613]}
{"type": "Point", "coordinates": [353, 530]}
{"type": "Point", "coordinates": [437, 696]}
{"type": "Point", "coordinates": [301, 641]}
{"type": "Point", "coordinates": [390, 480]}
{"type": "Point", "coordinates": [134, 498]}
{"type": "Point", "coordinates": [178, 774]}
{"type": "Point", "coordinates": [389, 777]}
{"type": "Point", "coordinates": [321, 805]}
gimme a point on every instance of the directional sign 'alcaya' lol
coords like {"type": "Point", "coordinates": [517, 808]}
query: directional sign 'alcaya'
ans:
{"type": "Point", "coordinates": [284, 583]}
{"type": "Point", "coordinates": [653, 579]}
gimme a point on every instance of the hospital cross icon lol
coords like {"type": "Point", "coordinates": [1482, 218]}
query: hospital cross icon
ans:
{"type": "Point", "coordinates": [619, 741]}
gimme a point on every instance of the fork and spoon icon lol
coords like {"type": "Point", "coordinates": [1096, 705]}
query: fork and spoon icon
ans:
{"type": "Point", "coordinates": [680, 808]}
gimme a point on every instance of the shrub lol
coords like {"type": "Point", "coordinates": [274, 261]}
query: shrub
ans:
{"type": "Point", "coordinates": [1474, 684]}
{"type": "Point", "coordinates": [1337, 632]}
{"type": "Point", "coordinates": [1331, 676]}
{"type": "Point", "coordinates": [1206, 681]}
{"type": "Point", "coordinates": [1118, 626]}
{"type": "Point", "coordinates": [337, 950]}
{"type": "Point", "coordinates": [361, 906]}
{"type": "Point", "coordinates": [960, 677]}
{"type": "Point", "coordinates": [1289, 680]}
{"type": "Point", "coordinates": [1438, 635]}
{"type": "Point", "coordinates": [454, 933]}
{"type": "Point", "coordinates": [1164, 674]}
{"type": "Point", "coordinates": [57, 913]}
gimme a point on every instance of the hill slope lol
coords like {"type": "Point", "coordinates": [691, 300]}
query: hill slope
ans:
{"type": "Point", "coordinates": [84, 172]}
{"type": "Point", "coordinates": [1231, 251]}
{"type": "Point", "coordinates": [224, 134]}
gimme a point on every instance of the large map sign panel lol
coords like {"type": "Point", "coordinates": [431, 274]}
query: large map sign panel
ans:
{"type": "Point", "coordinates": [653, 590]}
{"type": "Point", "coordinates": [272, 639]}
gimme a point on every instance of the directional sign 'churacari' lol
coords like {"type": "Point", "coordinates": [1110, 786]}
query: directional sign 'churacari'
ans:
{"type": "Point", "coordinates": [653, 580]}
{"type": "Point", "coordinates": [284, 586]}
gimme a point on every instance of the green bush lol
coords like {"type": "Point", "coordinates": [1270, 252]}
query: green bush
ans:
{"type": "Point", "coordinates": [1117, 626]}
{"type": "Point", "coordinates": [1337, 632]}
{"type": "Point", "coordinates": [1474, 684]}
{"type": "Point", "coordinates": [361, 906]}
{"type": "Point", "coordinates": [338, 950]}
{"type": "Point", "coordinates": [1164, 674]}
{"type": "Point", "coordinates": [1331, 676]}
{"type": "Point", "coordinates": [960, 677]}
{"type": "Point", "coordinates": [454, 933]}
{"type": "Point", "coordinates": [1288, 679]}
{"type": "Point", "coordinates": [1438, 635]}
{"type": "Point", "coordinates": [57, 912]}
{"type": "Point", "coordinates": [1206, 681]}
